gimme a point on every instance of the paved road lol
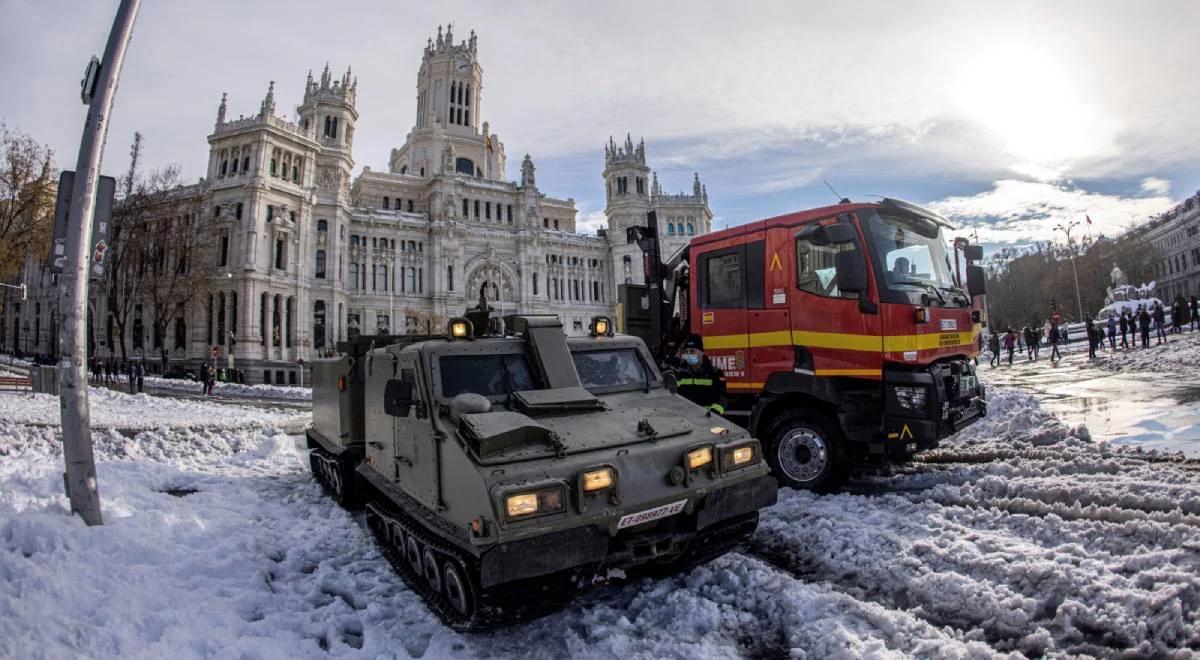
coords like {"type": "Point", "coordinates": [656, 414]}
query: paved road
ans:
{"type": "Point", "coordinates": [1125, 408]}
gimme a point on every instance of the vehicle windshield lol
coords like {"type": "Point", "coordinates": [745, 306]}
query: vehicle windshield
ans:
{"type": "Point", "coordinates": [489, 375]}
{"type": "Point", "coordinates": [912, 254]}
{"type": "Point", "coordinates": [610, 370]}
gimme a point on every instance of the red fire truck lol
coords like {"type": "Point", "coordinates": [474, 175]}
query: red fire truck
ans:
{"type": "Point", "coordinates": [847, 333]}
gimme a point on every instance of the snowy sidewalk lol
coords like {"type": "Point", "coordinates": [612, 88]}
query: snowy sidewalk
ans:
{"type": "Point", "coordinates": [1021, 535]}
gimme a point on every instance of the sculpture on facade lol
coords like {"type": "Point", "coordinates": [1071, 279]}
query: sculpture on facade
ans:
{"type": "Point", "coordinates": [527, 172]}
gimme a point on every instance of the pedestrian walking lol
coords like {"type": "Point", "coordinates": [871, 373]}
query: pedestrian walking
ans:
{"type": "Point", "coordinates": [1123, 324]}
{"type": "Point", "coordinates": [1160, 319]}
{"type": "Point", "coordinates": [1010, 344]}
{"type": "Point", "coordinates": [1143, 318]}
{"type": "Point", "coordinates": [140, 373]}
{"type": "Point", "coordinates": [1195, 309]}
{"type": "Point", "coordinates": [204, 378]}
{"type": "Point", "coordinates": [1054, 334]}
{"type": "Point", "coordinates": [1090, 328]}
{"type": "Point", "coordinates": [211, 382]}
{"type": "Point", "coordinates": [994, 347]}
{"type": "Point", "coordinates": [1112, 332]}
{"type": "Point", "coordinates": [1066, 335]}
{"type": "Point", "coordinates": [1177, 316]}
{"type": "Point", "coordinates": [1027, 337]}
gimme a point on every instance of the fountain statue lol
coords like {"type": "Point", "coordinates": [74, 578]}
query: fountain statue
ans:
{"type": "Point", "coordinates": [1124, 296]}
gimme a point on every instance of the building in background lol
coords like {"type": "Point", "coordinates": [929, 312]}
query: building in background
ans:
{"type": "Point", "coordinates": [307, 255]}
{"type": "Point", "coordinates": [1175, 235]}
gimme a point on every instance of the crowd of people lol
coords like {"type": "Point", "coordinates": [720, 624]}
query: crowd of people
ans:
{"type": "Point", "coordinates": [1133, 327]}
{"type": "Point", "coordinates": [133, 373]}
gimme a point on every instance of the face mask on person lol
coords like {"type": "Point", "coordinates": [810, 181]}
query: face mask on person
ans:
{"type": "Point", "coordinates": [692, 359]}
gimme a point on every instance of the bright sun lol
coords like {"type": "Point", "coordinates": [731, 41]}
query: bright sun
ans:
{"type": "Point", "coordinates": [1026, 98]}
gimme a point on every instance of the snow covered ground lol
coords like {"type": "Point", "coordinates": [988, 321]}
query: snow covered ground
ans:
{"type": "Point", "coordinates": [111, 409]}
{"type": "Point", "coordinates": [1180, 355]}
{"type": "Point", "coordinates": [1020, 536]}
{"type": "Point", "coordinates": [234, 389]}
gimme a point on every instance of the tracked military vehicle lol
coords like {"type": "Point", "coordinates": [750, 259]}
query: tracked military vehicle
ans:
{"type": "Point", "coordinates": [502, 473]}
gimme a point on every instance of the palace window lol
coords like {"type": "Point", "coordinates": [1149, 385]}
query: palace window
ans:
{"type": "Point", "coordinates": [238, 212]}
{"type": "Point", "coordinates": [466, 208]}
{"type": "Point", "coordinates": [476, 209]}
{"type": "Point", "coordinates": [321, 264]}
{"type": "Point", "coordinates": [510, 214]}
{"type": "Point", "coordinates": [322, 225]}
{"type": "Point", "coordinates": [450, 278]}
{"type": "Point", "coordinates": [245, 163]}
{"type": "Point", "coordinates": [464, 166]}
{"type": "Point", "coordinates": [670, 229]}
{"type": "Point", "coordinates": [224, 167]}
{"type": "Point", "coordinates": [385, 203]}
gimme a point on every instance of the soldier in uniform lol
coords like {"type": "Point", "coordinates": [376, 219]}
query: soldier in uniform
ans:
{"type": "Point", "coordinates": [700, 381]}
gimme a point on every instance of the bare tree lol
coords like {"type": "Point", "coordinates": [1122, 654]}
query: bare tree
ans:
{"type": "Point", "coordinates": [27, 195]}
{"type": "Point", "coordinates": [160, 258]}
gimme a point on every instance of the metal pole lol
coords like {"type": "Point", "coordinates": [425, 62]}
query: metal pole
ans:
{"type": "Point", "coordinates": [1078, 300]}
{"type": "Point", "coordinates": [80, 476]}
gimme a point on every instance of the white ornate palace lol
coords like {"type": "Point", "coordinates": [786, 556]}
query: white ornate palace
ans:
{"type": "Point", "coordinates": [310, 255]}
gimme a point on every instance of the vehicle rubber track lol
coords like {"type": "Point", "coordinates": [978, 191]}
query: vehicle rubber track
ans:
{"type": "Point", "coordinates": [513, 602]}
{"type": "Point", "coordinates": [336, 474]}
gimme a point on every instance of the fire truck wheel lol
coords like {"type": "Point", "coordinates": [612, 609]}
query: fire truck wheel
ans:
{"type": "Point", "coordinates": [806, 451]}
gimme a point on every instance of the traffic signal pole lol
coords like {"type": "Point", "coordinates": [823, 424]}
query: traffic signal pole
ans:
{"type": "Point", "coordinates": [80, 476]}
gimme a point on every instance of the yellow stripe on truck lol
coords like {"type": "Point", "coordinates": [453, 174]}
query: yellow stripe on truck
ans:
{"type": "Point", "coordinates": [841, 341]}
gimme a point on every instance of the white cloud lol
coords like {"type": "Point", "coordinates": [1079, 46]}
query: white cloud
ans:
{"type": "Point", "coordinates": [1156, 186]}
{"type": "Point", "coordinates": [1016, 211]}
{"type": "Point", "coordinates": [588, 222]}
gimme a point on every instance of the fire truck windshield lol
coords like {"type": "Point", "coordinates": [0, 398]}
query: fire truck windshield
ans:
{"type": "Point", "coordinates": [911, 252]}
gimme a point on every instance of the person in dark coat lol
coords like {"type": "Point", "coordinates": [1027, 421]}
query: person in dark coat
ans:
{"type": "Point", "coordinates": [1177, 316]}
{"type": "Point", "coordinates": [1054, 335]}
{"type": "Point", "coordinates": [994, 347]}
{"type": "Point", "coordinates": [1090, 328]}
{"type": "Point", "coordinates": [1144, 325]}
{"type": "Point", "coordinates": [1010, 344]}
{"type": "Point", "coordinates": [700, 381]}
{"type": "Point", "coordinates": [1195, 309]}
{"type": "Point", "coordinates": [1112, 332]}
{"type": "Point", "coordinates": [1124, 325]}
{"type": "Point", "coordinates": [204, 370]}
{"type": "Point", "coordinates": [1160, 320]}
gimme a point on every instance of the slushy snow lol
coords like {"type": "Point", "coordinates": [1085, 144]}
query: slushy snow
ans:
{"type": "Point", "coordinates": [1020, 536]}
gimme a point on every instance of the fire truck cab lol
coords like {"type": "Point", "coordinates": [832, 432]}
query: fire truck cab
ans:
{"type": "Point", "coordinates": [846, 333]}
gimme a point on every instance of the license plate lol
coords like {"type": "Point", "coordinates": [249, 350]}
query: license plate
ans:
{"type": "Point", "coordinates": [649, 515]}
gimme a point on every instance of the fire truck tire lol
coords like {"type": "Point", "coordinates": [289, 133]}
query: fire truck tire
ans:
{"type": "Point", "coordinates": [806, 451]}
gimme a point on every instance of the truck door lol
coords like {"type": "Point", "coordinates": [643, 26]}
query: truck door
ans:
{"type": "Point", "coordinates": [720, 303]}
{"type": "Point", "coordinates": [416, 460]}
{"type": "Point", "coordinates": [834, 336]}
{"type": "Point", "coordinates": [769, 316]}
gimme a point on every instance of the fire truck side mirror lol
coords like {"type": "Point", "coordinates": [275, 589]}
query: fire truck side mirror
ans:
{"type": "Point", "coordinates": [973, 253]}
{"type": "Point", "coordinates": [851, 271]}
{"type": "Point", "coordinates": [976, 281]}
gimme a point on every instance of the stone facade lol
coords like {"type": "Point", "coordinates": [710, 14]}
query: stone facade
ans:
{"type": "Point", "coordinates": [1175, 235]}
{"type": "Point", "coordinates": [310, 254]}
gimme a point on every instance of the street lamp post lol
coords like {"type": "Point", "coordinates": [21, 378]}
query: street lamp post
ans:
{"type": "Point", "coordinates": [1071, 253]}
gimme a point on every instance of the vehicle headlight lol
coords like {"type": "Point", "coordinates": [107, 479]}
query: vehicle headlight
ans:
{"type": "Point", "coordinates": [912, 397]}
{"type": "Point", "coordinates": [698, 458]}
{"type": "Point", "coordinates": [534, 503]}
{"type": "Point", "coordinates": [594, 480]}
{"type": "Point", "coordinates": [739, 456]}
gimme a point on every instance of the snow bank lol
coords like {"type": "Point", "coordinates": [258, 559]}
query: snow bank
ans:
{"type": "Point", "coordinates": [234, 389]}
{"type": "Point", "coordinates": [113, 409]}
{"type": "Point", "coordinates": [1180, 355]}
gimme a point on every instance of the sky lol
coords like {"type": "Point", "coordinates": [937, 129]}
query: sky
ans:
{"type": "Point", "coordinates": [1009, 117]}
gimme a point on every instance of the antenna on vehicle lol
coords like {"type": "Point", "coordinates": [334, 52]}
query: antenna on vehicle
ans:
{"type": "Point", "coordinates": [841, 200]}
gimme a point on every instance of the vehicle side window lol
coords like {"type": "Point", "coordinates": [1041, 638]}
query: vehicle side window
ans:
{"type": "Point", "coordinates": [724, 279]}
{"type": "Point", "coordinates": [815, 271]}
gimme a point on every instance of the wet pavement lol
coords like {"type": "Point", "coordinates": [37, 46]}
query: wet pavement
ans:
{"type": "Point", "coordinates": [1150, 410]}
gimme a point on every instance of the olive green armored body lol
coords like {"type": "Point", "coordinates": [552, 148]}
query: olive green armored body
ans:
{"type": "Point", "coordinates": [502, 474]}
